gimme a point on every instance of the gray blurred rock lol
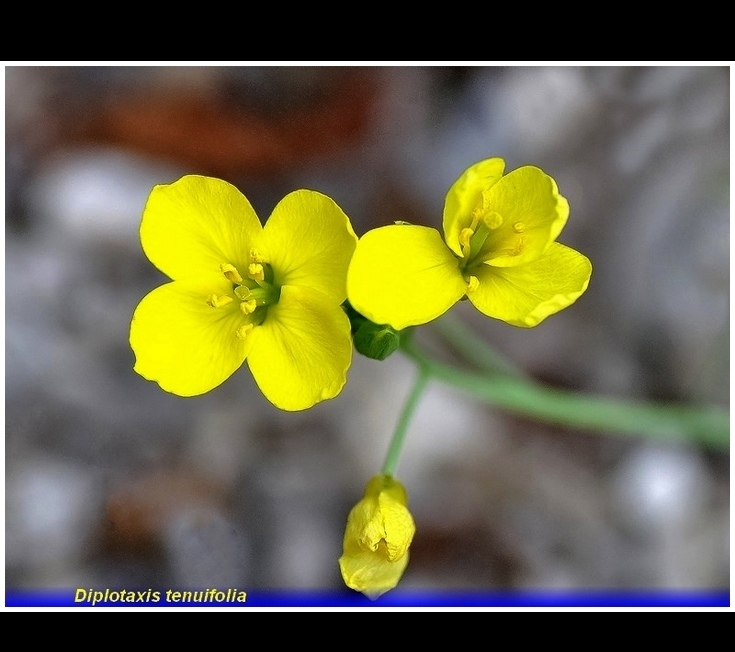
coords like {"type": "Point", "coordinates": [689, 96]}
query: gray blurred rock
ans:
{"type": "Point", "coordinates": [51, 508]}
{"type": "Point", "coordinates": [190, 538]}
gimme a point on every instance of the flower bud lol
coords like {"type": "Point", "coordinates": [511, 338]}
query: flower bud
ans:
{"type": "Point", "coordinates": [377, 537]}
{"type": "Point", "coordinates": [376, 341]}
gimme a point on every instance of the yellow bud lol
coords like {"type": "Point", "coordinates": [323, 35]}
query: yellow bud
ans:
{"type": "Point", "coordinates": [377, 537]}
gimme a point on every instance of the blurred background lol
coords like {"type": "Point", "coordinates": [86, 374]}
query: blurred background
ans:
{"type": "Point", "coordinates": [111, 482]}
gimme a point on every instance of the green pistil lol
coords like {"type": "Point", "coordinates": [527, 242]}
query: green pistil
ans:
{"type": "Point", "coordinates": [477, 241]}
{"type": "Point", "coordinates": [264, 294]}
{"type": "Point", "coordinates": [474, 239]}
{"type": "Point", "coordinates": [256, 294]}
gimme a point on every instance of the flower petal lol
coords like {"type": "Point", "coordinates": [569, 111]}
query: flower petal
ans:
{"type": "Point", "coordinates": [184, 344]}
{"type": "Point", "coordinates": [533, 213]}
{"type": "Point", "coordinates": [464, 195]}
{"type": "Point", "coordinates": [302, 351]}
{"type": "Point", "coordinates": [403, 275]}
{"type": "Point", "coordinates": [308, 240]}
{"type": "Point", "coordinates": [196, 224]}
{"type": "Point", "coordinates": [399, 526]}
{"type": "Point", "coordinates": [527, 294]}
{"type": "Point", "coordinates": [370, 572]}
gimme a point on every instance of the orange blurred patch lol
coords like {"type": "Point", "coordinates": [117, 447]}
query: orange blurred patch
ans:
{"type": "Point", "coordinates": [215, 133]}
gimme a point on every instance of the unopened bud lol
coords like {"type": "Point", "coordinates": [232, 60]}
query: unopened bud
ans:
{"type": "Point", "coordinates": [376, 341]}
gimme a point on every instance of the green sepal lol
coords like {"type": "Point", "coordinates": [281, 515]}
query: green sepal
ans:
{"type": "Point", "coordinates": [375, 341]}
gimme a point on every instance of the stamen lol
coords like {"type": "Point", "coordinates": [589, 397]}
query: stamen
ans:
{"type": "Point", "coordinates": [248, 307]}
{"type": "Point", "coordinates": [472, 283]}
{"type": "Point", "coordinates": [243, 331]}
{"type": "Point", "coordinates": [218, 301]}
{"type": "Point", "coordinates": [518, 248]}
{"type": "Point", "coordinates": [465, 235]}
{"type": "Point", "coordinates": [519, 227]}
{"type": "Point", "coordinates": [515, 250]}
{"type": "Point", "coordinates": [230, 272]}
{"type": "Point", "coordinates": [256, 257]}
{"type": "Point", "coordinates": [256, 271]}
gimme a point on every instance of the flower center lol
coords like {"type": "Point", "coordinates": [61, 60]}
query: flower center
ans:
{"type": "Point", "coordinates": [484, 240]}
{"type": "Point", "coordinates": [255, 291]}
{"type": "Point", "coordinates": [475, 239]}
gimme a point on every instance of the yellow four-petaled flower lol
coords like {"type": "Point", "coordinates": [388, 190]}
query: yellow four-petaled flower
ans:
{"type": "Point", "coordinates": [377, 537]}
{"type": "Point", "coordinates": [499, 250]}
{"type": "Point", "coordinates": [240, 291]}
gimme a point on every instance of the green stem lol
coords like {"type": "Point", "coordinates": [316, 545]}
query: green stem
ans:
{"type": "Point", "coordinates": [404, 421]}
{"type": "Point", "coordinates": [473, 348]}
{"type": "Point", "coordinates": [709, 426]}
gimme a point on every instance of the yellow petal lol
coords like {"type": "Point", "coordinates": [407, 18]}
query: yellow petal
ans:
{"type": "Point", "coordinates": [369, 573]}
{"type": "Point", "coordinates": [399, 526]}
{"type": "Point", "coordinates": [186, 341]}
{"type": "Point", "coordinates": [527, 294]}
{"type": "Point", "coordinates": [533, 214]}
{"type": "Point", "coordinates": [301, 352]}
{"type": "Point", "coordinates": [308, 240]}
{"type": "Point", "coordinates": [197, 224]}
{"type": "Point", "coordinates": [464, 194]}
{"type": "Point", "coordinates": [403, 275]}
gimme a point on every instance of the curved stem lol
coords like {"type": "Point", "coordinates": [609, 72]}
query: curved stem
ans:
{"type": "Point", "coordinates": [404, 421]}
{"type": "Point", "coordinates": [473, 348]}
{"type": "Point", "coordinates": [709, 426]}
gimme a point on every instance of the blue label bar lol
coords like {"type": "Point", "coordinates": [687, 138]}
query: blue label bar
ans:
{"type": "Point", "coordinates": [240, 597]}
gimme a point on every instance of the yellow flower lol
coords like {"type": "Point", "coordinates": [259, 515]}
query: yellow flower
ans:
{"type": "Point", "coordinates": [379, 531]}
{"type": "Point", "coordinates": [270, 295]}
{"type": "Point", "coordinates": [499, 249]}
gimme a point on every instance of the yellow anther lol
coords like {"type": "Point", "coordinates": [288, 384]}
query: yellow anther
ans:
{"type": "Point", "coordinates": [230, 272]}
{"type": "Point", "coordinates": [218, 301]}
{"type": "Point", "coordinates": [248, 307]}
{"type": "Point", "coordinates": [243, 331]}
{"type": "Point", "coordinates": [519, 227]}
{"type": "Point", "coordinates": [472, 284]}
{"type": "Point", "coordinates": [256, 271]}
{"type": "Point", "coordinates": [255, 257]}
